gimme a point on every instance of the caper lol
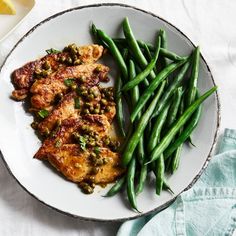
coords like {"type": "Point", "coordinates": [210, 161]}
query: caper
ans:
{"type": "Point", "coordinates": [93, 155]}
{"type": "Point", "coordinates": [105, 160]}
{"type": "Point", "coordinates": [92, 143]}
{"type": "Point", "coordinates": [34, 125]}
{"type": "Point", "coordinates": [108, 109]}
{"type": "Point", "coordinates": [77, 62]}
{"type": "Point", "coordinates": [86, 111]}
{"type": "Point", "coordinates": [84, 127]}
{"type": "Point", "coordinates": [91, 180]}
{"type": "Point", "coordinates": [78, 165]}
{"type": "Point", "coordinates": [83, 88]}
{"type": "Point", "coordinates": [62, 59]}
{"type": "Point", "coordinates": [73, 86]}
{"type": "Point", "coordinates": [84, 93]}
{"type": "Point", "coordinates": [69, 60]}
{"type": "Point", "coordinates": [46, 132]}
{"type": "Point", "coordinates": [97, 106]}
{"type": "Point", "coordinates": [44, 73]}
{"type": "Point", "coordinates": [99, 162]}
{"type": "Point", "coordinates": [95, 93]}
{"type": "Point", "coordinates": [91, 109]}
{"type": "Point", "coordinates": [107, 141]}
{"type": "Point", "coordinates": [104, 101]}
{"type": "Point", "coordinates": [96, 111]}
{"type": "Point", "coordinates": [91, 139]}
{"type": "Point", "coordinates": [37, 71]}
{"type": "Point", "coordinates": [95, 170]}
{"type": "Point", "coordinates": [46, 65]}
{"type": "Point", "coordinates": [98, 69]}
{"type": "Point", "coordinates": [87, 104]}
{"type": "Point", "coordinates": [82, 79]}
{"type": "Point", "coordinates": [86, 188]}
{"type": "Point", "coordinates": [58, 97]}
{"type": "Point", "coordinates": [90, 96]}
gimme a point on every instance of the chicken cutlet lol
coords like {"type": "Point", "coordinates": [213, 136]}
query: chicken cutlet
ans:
{"type": "Point", "coordinates": [24, 77]}
{"type": "Point", "coordinates": [72, 130]}
{"type": "Point", "coordinates": [81, 151]}
{"type": "Point", "coordinates": [80, 165]}
{"type": "Point", "coordinates": [45, 90]}
{"type": "Point", "coordinates": [74, 104]}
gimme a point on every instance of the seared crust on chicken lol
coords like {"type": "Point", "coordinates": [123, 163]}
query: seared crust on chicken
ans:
{"type": "Point", "coordinates": [44, 90]}
{"type": "Point", "coordinates": [94, 123]}
{"type": "Point", "coordinates": [24, 77]}
{"type": "Point", "coordinates": [75, 164]}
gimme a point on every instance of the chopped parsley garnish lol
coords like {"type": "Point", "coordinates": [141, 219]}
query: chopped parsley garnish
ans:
{"type": "Point", "coordinates": [96, 150]}
{"type": "Point", "coordinates": [43, 113]}
{"type": "Point", "coordinates": [82, 142]}
{"type": "Point", "coordinates": [77, 103]}
{"type": "Point", "coordinates": [52, 51]}
{"type": "Point", "coordinates": [69, 82]}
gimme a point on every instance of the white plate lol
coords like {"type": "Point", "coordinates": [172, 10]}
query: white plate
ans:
{"type": "Point", "coordinates": [19, 143]}
{"type": "Point", "coordinates": [9, 22]}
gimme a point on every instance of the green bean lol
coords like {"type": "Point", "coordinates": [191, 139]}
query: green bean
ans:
{"type": "Point", "coordinates": [134, 99]}
{"type": "Point", "coordinates": [164, 52]}
{"type": "Point", "coordinates": [167, 187]}
{"type": "Point", "coordinates": [174, 107]}
{"type": "Point", "coordinates": [95, 34]}
{"type": "Point", "coordinates": [114, 51]}
{"type": "Point", "coordinates": [147, 52]}
{"type": "Point", "coordinates": [135, 90]}
{"type": "Point", "coordinates": [135, 137]}
{"type": "Point", "coordinates": [134, 47]}
{"type": "Point", "coordinates": [185, 133]}
{"type": "Point", "coordinates": [118, 99]}
{"type": "Point", "coordinates": [153, 85]}
{"type": "Point", "coordinates": [142, 178]}
{"type": "Point", "coordinates": [116, 187]}
{"type": "Point", "coordinates": [171, 88]}
{"type": "Point", "coordinates": [194, 77]}
{"type": "Point", "coordinates": [140, 77]}
{"type": "Point", "coordinates": [145, 82]}
{"type": "Point", "coordinates": [176, 155]}
{"type": "Point", "coordinates": [119, 106]}
{"type": "Point", "coordinates": [156, 129]}
{"type": "Point", "coordinates": [176, 159]}
{"type": "Point", "coordinates": [160, 171]}
{"type": "Point", "coordinates": [166, 140]}
{"type": "Point", "coordinates": [130, 184]}
{"type": "Point", "coordinates": [163, 45]}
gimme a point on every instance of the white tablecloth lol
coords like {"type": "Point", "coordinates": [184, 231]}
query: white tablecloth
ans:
{"type": "Point", "coordinates": [210, 24]}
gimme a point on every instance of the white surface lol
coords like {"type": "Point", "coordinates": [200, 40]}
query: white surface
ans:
{"type": "Point", "coordinates": [22, 7]}
{"type": "Point", "coordinates": [211, 28]}
{"type": "Point", "coordinates": [42, 181]}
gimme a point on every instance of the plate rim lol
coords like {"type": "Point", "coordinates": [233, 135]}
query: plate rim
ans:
{"type": "Point", "coordinates": [216, 135]}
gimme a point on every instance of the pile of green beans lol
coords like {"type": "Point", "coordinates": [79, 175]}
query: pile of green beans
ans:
{"type": "Point", "coordinates": [164, 104]}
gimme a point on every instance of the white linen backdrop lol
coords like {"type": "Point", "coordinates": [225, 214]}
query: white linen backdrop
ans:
{"type": "Point", "coordinates": [208, 23]}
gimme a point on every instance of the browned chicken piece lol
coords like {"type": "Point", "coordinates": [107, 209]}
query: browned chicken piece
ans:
{"type": "Point", "coordinates": [65, 133]}
{"type": "Point", "coordinates": [77, 165]}
{"type": "Point", "coordinates": [44, 90]}
{"type": "Point", "coordinates": [67, 109]}
{"type": "Point", "coordinates": [110, 111]}
{"type": "Point", "coordinates": [24, 77]}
